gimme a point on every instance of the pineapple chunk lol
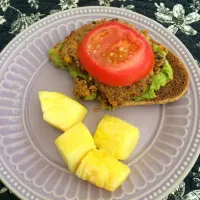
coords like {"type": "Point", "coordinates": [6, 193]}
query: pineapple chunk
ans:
{"type": "Point", "coordinates": [50, 95]}
{"type": "Point", "coordinates": [49, 99]}
{"type": "Point", "coordinates": [116, 136]}
{"type": "Point", "coordinates": [100, 168]}
{"type": "Point", "coordinates": [74, 144]}
{"type": "Point", "coordinates": [61, 111]}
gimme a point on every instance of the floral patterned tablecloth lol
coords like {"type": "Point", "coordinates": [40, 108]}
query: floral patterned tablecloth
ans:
{"type": "Point", "coordinates": [181, 17]}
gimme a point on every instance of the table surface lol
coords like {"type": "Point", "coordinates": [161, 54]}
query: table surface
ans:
{"type": "Point", "coordinates": [13, 12]}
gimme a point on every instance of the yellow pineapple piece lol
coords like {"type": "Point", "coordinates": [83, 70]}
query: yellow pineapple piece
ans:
{"type": "Point", "coordinates": [74, 144]}
{"type": "Point", "coordinates": [61, 111]}
{"type": "Point", "coordinates": [49, 99]}
{"type": "Point", "coordinates": [116, 136]}
{"type": "Point", "coordinates": [100, 168]}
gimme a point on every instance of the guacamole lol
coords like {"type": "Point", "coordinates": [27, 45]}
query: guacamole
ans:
{"type": "Point", "coordinates": [158, 80]}
{"type": "Point", "coordinates": [55, 57]}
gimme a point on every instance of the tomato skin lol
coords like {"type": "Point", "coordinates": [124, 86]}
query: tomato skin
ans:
{"type": "Point", "coordinates": [125, 72]}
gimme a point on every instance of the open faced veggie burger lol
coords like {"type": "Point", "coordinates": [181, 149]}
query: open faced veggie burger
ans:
{"type": "Point", "coordinates": [119, 65]}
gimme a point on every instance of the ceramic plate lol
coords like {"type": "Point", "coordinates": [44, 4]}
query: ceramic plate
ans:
{"type": "Point", "coordinates": [29, 162]}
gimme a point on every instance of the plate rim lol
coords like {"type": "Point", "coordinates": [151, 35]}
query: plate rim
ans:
{"type": "Point", "coordinates": [195, 156]}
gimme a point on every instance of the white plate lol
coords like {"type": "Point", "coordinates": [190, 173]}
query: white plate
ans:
{"type": "Point", "coordinates": [29, 162]}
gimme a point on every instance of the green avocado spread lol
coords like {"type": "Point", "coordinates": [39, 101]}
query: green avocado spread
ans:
{"type": "Point", "coordinates": [76, 72]}
{"type": "Point", "coordinates": [55, 58]}
{"type": "Point", "coordinates": [58, 62]}
{"type": "Point", "coordinates": [158, 80]}
{"type": "Point", "coordinates": [162, 51]}
{"type": "Point", "coordinates": [92, 96]}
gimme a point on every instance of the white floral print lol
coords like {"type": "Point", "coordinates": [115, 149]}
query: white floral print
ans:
{"type": "Point", "coordinates": [3, 190]}
{"type": "Point", "coordinates": [179, 194]}
{"type": "Point", "coordinates": [194, 195]}
{"type": "Point", "coordinates": [198, 44]}
{"type": "Point", "coordinates": [163, 10]}
{"type": "Point", "coordinates": [129, 7]}
{"type": "Point", "coordinates": [34, 3]}
{"type": "Point", "coordinates": [177, 18]}
{"type": "Point", "coordinates": [4, 4]}
{"type": "Point", "coordinates": [105, 2]}
{"type": "Point", "coordinates": [23, 21]}
{"type": "Point", "coordinates": [2, 20]}
{"type": "Point", "coordinates": [195, 5]}
{"type": "Point", "coordinates": [67, 4]}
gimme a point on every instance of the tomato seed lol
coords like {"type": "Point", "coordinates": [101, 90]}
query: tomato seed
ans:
{"type": "Point", "coordinates": [121, 49]}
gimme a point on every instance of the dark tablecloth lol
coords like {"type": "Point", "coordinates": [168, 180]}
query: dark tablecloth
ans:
{"type": "Point", "coordinates": [16, 15]}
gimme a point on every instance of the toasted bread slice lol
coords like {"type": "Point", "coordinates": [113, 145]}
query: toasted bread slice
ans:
{"type": "Point", "coordinates": [173, 90]}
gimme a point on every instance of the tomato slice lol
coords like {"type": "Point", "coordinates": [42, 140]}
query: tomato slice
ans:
{"type": "Point", "coordinates": [116, 54]}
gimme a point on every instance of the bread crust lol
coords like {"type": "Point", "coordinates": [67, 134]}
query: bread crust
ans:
{"type": "Point", "coordinates": [173, 90]}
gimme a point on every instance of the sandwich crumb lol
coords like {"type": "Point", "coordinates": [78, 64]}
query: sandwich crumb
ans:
{"type": "Point", "coordinates": [96, 110]}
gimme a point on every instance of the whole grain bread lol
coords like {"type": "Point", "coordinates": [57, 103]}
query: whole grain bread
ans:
{"type": "Point", "coordinates": [173, 90]}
